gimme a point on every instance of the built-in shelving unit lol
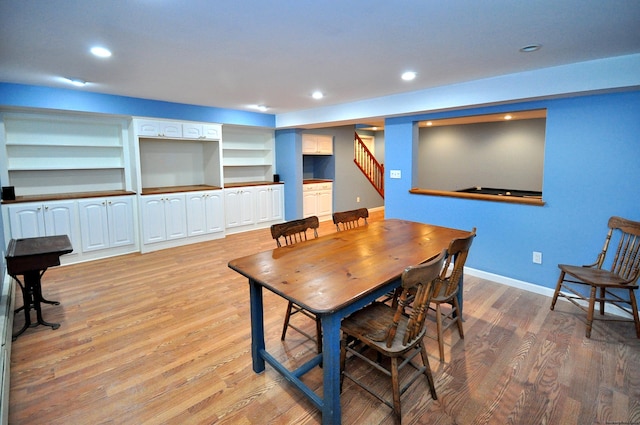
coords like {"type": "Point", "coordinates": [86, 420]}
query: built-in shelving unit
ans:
{"type": "Point", "coordinates": [173, 153]}
{"type": "Point", "coordinates": [58, 153]}
{"type": "Point", "coordinates": [248, 154]}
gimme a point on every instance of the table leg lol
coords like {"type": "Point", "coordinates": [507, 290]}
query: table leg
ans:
{"type": "Point", "coordinates": [257, 326]}
{"type": "Point", "coordinates": [331, 412]}
{"type": "Point", "coordinates": [34, 281]}
{"type": "Point", "coordinates": [26, 303]}
{"type": "Point", "coordinates": [41, 297]}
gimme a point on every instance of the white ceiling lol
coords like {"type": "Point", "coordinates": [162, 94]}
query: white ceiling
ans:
{"type": "Point", "coordinates": [234, 53]}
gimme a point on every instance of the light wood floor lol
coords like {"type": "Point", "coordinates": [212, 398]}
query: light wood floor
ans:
{"type": "Point", "coordinates": [164, 338]}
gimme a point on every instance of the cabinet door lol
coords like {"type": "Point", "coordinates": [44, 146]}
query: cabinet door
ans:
{"type": "Point", "coordinates": [26, 221]}
{"type": "Point", "coordinates": [232, 207]}
{"type": "Point", "coordinates": [153, 219]}
{"type": "Point", "coordinates": [120, 216]}
{"type": "Point", "coordinates": [239, 207]}
{"type": "Point", "coordinates": [309, 203]}
{"type": "Point", "coordinates": [192, 131]}
{"type": "Point", "coordinates": [60, 219]}
{"type": "Point", "coordinates": [175, 216]}
{"type": "Point", "coordinates": [325, 202]}
{"type": "Point", "coordinates": [148, 128]}
{"type": "Point", "coordinates": [309, 144]}
{"type": "Point", "coordinates": [263, 204]}
{"type": "Point", "coordinates": [212, 131]}
{"type": "Point", "coordinates": [94, 224]}
{"type": "Point", "coordinates": [215, 211]}
{"type": "Point", "coordinates": [247, 206]}
{"type": "Point", "coordinates": [277, 202]}
{"type": "Point", "coordinates": [324, 144]}
{"type": "Point", "coordinates": [196, 213]}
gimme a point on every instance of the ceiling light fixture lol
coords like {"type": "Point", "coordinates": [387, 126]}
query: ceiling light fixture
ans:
{"type": "Point", "coordinates": [530, 48]}
{"type": "Point", "coordinates": [261, 108]}
{"type": "Point", "coordinates": [317, 94]}
{"type": "Point", "coordinates": [408, 76]}
{"type": "Point", "coordinates": [100, 52]}
{"type": "Point", "coordinates": [507, 117]}
{"type": "Point", "coordinates": [429, 123]}
{"type": "Point", "coordinates": [76, 82]}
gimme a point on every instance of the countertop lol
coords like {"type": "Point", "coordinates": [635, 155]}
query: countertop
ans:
{"type": "Point", "coordinates": [311, 181]}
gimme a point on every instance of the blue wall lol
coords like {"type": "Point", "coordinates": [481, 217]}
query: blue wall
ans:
{"type": "Point", "coordinates": [289, 166]}
{"type": "Point", "coordinates": [19, 95]}
{"type": "Point", "coordinates": [591, 172]}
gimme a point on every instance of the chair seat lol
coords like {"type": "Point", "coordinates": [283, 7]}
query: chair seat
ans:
{"type": "Point", "coordinates": [372, 323]}
{"type": "Point", "coordinates": [596, 277]}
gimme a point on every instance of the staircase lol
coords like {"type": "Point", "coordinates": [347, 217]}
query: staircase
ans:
{"type": "Point", "coordinates": [368, 164]}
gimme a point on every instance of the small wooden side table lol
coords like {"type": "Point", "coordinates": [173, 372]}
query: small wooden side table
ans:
{"type": "Point", "coordinates": [30, 257]}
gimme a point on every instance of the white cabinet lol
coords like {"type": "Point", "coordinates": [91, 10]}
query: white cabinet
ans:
{"type": "Point", "coordinates": [156, 128]}
{"type": "Point", "coordinates": [317, 199]}
{"type": "Point", "coordinates": [106, 222]}
{"type": "Point", "coordinates": [205, 212]}
{"type": "Point", "coordinates": [240, 208]}
{"type": "Point", "coordinates": [201, 131]}
{"type": "Point", "coordinates": [177, 129]}
{"type": "Point", "coordinates": [34, 219]}
{"type": "Point", "coordinates": [164, 217]}
{"type": "Point", "coordinates": [317, 144]}
{"type": "Point", "coordinates": [270, 203]}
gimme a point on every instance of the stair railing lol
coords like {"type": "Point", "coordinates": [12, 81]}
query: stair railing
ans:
{"type": "Point", "coordinates": [368, 164]}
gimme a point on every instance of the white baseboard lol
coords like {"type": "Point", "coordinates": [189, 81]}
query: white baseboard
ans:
{"type": "Point", "coordinates": [537, 289]}
{"type": "Point", "coordinates": [510, 282]}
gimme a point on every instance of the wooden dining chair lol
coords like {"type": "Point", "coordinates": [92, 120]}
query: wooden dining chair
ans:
{"type": "Point", "coordinates": [345, 220]}
{"type": "Point", "coordinates": [606, 286]}
{"type": "Point", "coordinates": [447, 288]}
{"type": "Point", "coordinates": [292, 232]}
{"type": "Point", "coordinates": [389, 332]}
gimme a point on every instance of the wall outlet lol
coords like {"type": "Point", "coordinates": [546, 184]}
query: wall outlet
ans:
{"type": "Point", "coordinates": [357, 199]}
{"type": "Point", "coordinates": [537, 257]}
{"type": "Point", "coordinates": [394, 174]}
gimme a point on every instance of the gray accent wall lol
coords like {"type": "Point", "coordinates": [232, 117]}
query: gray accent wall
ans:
{"type": "Point", "coordinates": [508, 155]}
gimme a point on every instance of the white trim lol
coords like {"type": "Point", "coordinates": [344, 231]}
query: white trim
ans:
{"type": "Point", "coordinates": [510, 282]}
{"type": "Point", "coordinates": [537, 289]}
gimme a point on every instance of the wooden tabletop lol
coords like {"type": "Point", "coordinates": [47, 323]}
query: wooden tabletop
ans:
{"type": "Point", "coordinates": [325, 274]}
{"type": "Point", "coordinates": [29, 254]}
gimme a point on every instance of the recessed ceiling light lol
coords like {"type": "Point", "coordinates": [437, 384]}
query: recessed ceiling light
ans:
{"type": "Point", "coordinates": [507, 117]}
{"type": "Point", "coordinates": [408, 76]}
{"type": "Point", "coordinates": [317, 94]}
{"type": "Point", "coordinates": [100, 52]}
{"type": "Point", "coordinates": [429, 123]}
{"type": "Point", "coordinates": [76, 82]}
{"type": "Point", "coordinates": [530, 48]}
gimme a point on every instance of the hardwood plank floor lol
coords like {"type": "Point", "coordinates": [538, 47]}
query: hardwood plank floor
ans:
{"type": "Point", "coordinates": [164, 338]}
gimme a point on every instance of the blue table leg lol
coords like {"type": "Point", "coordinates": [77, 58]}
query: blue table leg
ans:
{"type": "Point", "coordinates": [257, 326]}
{"type": "Point", "coordinates": [331, 413]}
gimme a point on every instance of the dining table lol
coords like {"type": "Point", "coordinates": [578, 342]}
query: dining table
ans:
{"type": "Point", "coordinates": [333, 276]}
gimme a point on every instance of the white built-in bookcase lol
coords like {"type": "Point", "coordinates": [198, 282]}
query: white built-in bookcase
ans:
{"type": "Point", "coordinates": [248, 154]}
{"type": "Point", "coordinates": [57, 154]}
